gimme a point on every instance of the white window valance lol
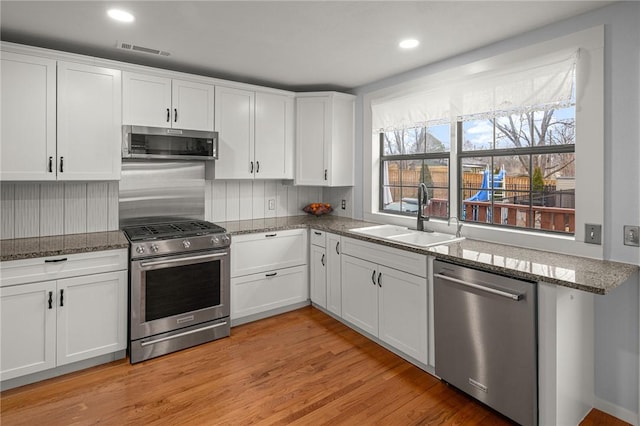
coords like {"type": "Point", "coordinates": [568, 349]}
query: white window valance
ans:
{"type": "Point", "coordinates": [540, 83]}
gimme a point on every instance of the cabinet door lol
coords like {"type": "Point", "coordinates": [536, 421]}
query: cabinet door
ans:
{"type": "Point", "coordinates": [89, 122]}
{"type": "Point", "coordinates": [274, 136]}
{"type": "Point", "coordinates": [318, 276]}
{"type": "Point", "coordinates": [360, 294]}
{"type": "Point", "coordinates": [28, 327]}
{"type": "Point", "coordinates": [313, 128]}
{"type": "Point", "coordinates": [146, 100]}
{"type": "Point", "coordinates": [92, 316]}
{"type": "Point", "coordinates": [192, 105]}
{"type": "Point", "coordinates": [253, 253]}
{"type": "Point", "coordinates": [234, 121]}
{"type": "Point", "coordinates": [403, 312]}
{"type": "Point", "coordinates": [334, 278]}
{"type": "Point", "coordinates": [28, 107]}
{"type": "Point", "coordinates": [254, 294]}
{"type": "Point", "coordinates": [340, 159]}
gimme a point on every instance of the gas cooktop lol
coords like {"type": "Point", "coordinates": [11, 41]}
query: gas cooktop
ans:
{"type": "Point", "coordinates": [170, 229]}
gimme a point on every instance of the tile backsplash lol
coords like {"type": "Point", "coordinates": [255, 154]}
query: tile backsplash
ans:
{"type": "Point", "coordinates": [39, 209]}
{"type": "Point", "coordinates": [229, 200]}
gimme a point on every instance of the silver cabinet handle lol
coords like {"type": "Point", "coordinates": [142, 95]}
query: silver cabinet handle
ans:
{"type": "Point", "coordinates": [379, 277]}
{"type": "Point", "coordinates": [338, 247]}
{"type": "Point", "coordinates": [512, 296]}
{"type": "Point", "coordinates": [322, 260]}
{"type": "Point", "coordinates": [182, 259]}
{"type": "Point", "coordinates": [186, 333]}
{"type": "Point", "coordinates": [373, 277]}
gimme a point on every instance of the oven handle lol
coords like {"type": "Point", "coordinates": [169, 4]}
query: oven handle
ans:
{"type": "Point", "coordinates": [182, 259]}
{"type": "Point", "coordinates": [186, 333]}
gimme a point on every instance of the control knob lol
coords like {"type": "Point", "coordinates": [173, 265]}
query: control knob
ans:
{"type": "Point", "coordinates": [140, 249]}
{"type": "Point", "coordinates": [215, 240]}
{"type": "Point", "coordinates": [154, 248]}
{"type": "Point", "coordinates": [186, 244]}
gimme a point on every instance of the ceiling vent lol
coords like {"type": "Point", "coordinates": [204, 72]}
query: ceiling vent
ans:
{"type": "Point", "coordinates": [134, 47]}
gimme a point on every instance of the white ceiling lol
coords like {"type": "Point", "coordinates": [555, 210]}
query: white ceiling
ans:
{"type": "Point", "coordinates": [297, 45]}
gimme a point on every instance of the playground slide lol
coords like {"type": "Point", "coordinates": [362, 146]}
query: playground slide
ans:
{"type": "Point", "coordinates": [485, 193]}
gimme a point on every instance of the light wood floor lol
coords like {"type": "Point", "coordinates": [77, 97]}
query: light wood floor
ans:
{"type": "Point", "coordinates": [302, 368]}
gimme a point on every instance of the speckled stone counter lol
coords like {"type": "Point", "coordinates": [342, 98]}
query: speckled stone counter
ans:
{"type": "Point", "coordinates": [27, 248]}
{"type": "Point", "coordinates": [595, 276]}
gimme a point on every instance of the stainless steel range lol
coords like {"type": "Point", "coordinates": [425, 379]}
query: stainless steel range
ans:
{"type": "Point", "coordinates": [179, 285]}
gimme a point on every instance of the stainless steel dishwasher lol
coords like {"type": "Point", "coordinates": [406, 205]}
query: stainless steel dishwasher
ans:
{"type": "Point", "coordinates": [486, 338]}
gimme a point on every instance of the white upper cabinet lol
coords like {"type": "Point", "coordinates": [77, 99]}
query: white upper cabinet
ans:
{"type": "Point", "coordinates": [28, 87]}
{"type": "Point", "coordinates": [274, 136]}
{"type": "Point", "coordinates": [71, 131]}
{"type": "Point", "coordinates": [163, 102]}
{"type": "Point", "coordinates": [89, 122]}
{"type": "Point", "coordinates": [255, 133]}
{"type": "Point", "coordinates": [234, 122]}
{"type": "Point", "coordinates": [324, 139]}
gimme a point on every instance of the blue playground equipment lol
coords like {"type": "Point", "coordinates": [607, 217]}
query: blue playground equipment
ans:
{"type": "Point", "coordinates": [492, 187]}
{"type": "Point", "coordinates": [486, 194]}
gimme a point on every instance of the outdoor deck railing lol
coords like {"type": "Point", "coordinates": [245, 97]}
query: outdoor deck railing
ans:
{"type": "Point", "coordinates": [521, 215]}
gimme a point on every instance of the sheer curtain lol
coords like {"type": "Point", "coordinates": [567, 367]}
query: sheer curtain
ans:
{"type": "Point", "coordinates": [539, 83]}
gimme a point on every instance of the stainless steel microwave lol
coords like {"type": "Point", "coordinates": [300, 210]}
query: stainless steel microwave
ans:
{"type": "Point", "coordinates": [174, 144]}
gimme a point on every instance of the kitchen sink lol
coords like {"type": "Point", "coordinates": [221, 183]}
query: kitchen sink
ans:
{"type": "Point", "coordinates": [425, 239]}
{"type": "Point", "coordinates": [382, 231]}
{"type": "Point", "coordinates": [405, 235]}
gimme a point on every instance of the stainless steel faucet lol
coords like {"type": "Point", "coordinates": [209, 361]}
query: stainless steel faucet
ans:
{"type": "Point", "coordinates": [458, 226]}
{"type": "Point", "coordinates": [423, 199]}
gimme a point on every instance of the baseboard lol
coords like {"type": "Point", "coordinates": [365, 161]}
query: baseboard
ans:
{"type": "Point", "coordinates": [61, 370]}
{"type": "Point", "coordinates": [616, 411]}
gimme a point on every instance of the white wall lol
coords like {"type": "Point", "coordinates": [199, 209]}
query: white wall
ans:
{"type": "Point", "coordinates": [616, 316]}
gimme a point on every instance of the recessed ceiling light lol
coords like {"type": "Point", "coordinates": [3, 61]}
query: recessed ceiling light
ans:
{"type": "Point", "coordinates": [120, 15]}
{"type": "Point", "coordinates": [409, 43]}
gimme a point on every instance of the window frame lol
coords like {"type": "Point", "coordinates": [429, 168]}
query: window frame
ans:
{"type": "Point", "coordinates": [461, 154]}
{"type": "Point", "coordinates": [410, 157]}
{"type": "Point", "coordinates": [590, 129]}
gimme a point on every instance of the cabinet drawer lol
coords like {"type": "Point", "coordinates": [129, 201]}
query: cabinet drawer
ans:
{"type": "Point", "coordinates": [318, 238]}
{"type": "Point", "coordinates": [402, 260]}
{"type": "Point", "coordinates": [268, 251]}
{"type": "Point", "coordinates": [253, 294]}
{"type": "Point", "coordinates": [53, 268]}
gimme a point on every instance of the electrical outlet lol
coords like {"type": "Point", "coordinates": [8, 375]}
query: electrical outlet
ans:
{"type": "Point", "coordinates": [592, 233]}
{"type": "Point", "coordinates": [272, 204]}
{"type": "Point", "coordinates": [344, 204]}
{"type": "Point", "coordinates": [631, 236]}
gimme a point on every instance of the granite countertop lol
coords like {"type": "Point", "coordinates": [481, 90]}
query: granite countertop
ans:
{"type": "Point", "coordinates": [591, 275]}
{"type": "Point", "coordinates": [28, 248]}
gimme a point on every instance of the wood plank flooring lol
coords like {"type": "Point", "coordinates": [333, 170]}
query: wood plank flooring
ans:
{"type": "Point", "coordinates": [301, 368]}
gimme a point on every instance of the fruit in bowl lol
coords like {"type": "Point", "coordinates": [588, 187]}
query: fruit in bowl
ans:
{"type": "Point", "coordinates": [318, 209]}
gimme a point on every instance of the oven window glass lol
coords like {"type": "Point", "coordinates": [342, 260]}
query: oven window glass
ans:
{"type": "Point", "coordinates": [170, 145]}
{"type": "Point", "coordinates": [182, 289]}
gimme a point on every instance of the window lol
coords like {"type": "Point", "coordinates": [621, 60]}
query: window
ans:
{"type": "Point", "coordinates": [518, 170]}
{"type": "Point", "coordinates": [409, 157]}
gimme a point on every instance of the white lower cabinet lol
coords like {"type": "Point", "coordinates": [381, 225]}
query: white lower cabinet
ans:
{"type": "Point", "coordinates": [334, 278]}
{"type": "Point", "coordinates": [268, 273]}
{"type": "Point", "coordinates": [92, 316]}
{"type": "Point", "coordinates": [318, 277]}
{"type": "Point", "coordinates": [47, 324]}
{"type": "Point", "coordinates": [28, 329]}
{"type": "Point", "coordinates": [384, 301]}
{"type": "Point", "coordinates": [257, 293]}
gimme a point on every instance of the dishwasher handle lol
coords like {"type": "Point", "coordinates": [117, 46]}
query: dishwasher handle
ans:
{"type": "Point", "coordinates": [513, 296]}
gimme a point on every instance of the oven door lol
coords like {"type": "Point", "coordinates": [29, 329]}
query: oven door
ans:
{"type": "Point", "coordinates": [174, 292]}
